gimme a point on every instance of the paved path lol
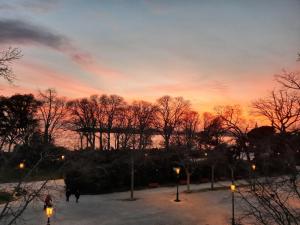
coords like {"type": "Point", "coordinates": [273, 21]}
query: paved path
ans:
{"type": "Point", "coordinates": [153, 207]}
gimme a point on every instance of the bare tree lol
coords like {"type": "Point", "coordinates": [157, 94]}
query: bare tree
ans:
{"type": "Point", "coordinates": [235, 126]}
{"type": "Point", "coordinates": [275, 201]}
{"type": "Point", "coordinates": [6, 58]}
{"type": "Point", "coordinates": [145, 116]}
{"type": "Point", "coordinates": [170, 114]}
{"type": "Point", "coordinates": [281, 108]}
{"type": "Point", "coordinates": [125, 122]}
{"type": "Point", "coordinates": [83, 120]}
{"type": "Point", "coordinates": [100, 115]}
{"type": "Point", "coordinates": [190, 126]}
{"type": "Point", "coordinates": [290, 80]}
{"type": "Point", "coordinates": [52, 113]}
{"type": "Point", "coordinates": [111, 105]}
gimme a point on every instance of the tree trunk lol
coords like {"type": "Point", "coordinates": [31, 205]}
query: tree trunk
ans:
{"type": "Point", "coordinates": [101, 141]}
{"type": "Point", "coordinates": [87, 141]}
{"type": "Point", "coordinates": [81, 140]}
{"type": "Point", "coordinates": [94, 140]}
{"type": "Point", "coordinates": [46, 136]}
{"type": "Point", "coordinates": [9, 146]}
{"type": "Point", "coordinates": [108, 140]}
{"type": "Point", "coordinates": [167, 142]}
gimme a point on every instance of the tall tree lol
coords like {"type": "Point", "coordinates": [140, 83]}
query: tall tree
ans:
{"type": "Point", "coordinates": [52, 113]}
{"type": "Point", "coordinates": [145, 116]}
{"type": "Point", "coordinates": [101, 118]}
{"type": "Point", "coordinates": [190, 126]}
{"type": "Point", "coordinates": [112, 105]}
{"type": "Point", "coordinates": [124, 122]}
{"type": "Point", "coordinates": [18, 119]}
{"type": "Point", "coordinates": [170, 114]}
{"type": "Point", "coordinates": [235, 126]}
{"type": "Point", "coordinates": [83, 120]}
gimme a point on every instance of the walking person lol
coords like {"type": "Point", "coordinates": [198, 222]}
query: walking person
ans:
{"type": "Point", "coordinates": [68, 194]}
{"type": "Point", "coordinates": [77, 195]}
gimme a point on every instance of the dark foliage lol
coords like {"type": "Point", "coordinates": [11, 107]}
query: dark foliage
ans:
{"type": "Point", "coordinates": [96, 172]}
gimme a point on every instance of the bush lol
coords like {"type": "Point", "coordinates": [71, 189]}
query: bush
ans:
{"type": "Point", "coordinates": [102, 172]}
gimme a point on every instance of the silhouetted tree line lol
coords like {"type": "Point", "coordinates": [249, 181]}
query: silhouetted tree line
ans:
{"type": "Point", "coordinates": [25, 119]}
{"type": "Point", "coordinates": [96, 119]}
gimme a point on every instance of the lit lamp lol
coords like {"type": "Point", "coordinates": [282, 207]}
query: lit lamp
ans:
{"type": "Point", "coordinates": [62, 157]}
{"type": "Point", "coordinates": [253, 182]}
{"type": "Point", "coordinates": [232, 188]}
{"type": "Point", "coordinates": [177, 171]}
{"type": "Point", "coordinates": [49, 213]}
{"type": "Point", "coordinates": [21, 165]}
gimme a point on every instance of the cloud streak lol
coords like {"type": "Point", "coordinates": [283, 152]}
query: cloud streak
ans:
{"type": "Point", "coordinates": [25, 33]}
{"type": "Point", "coordinates": [16, 31]}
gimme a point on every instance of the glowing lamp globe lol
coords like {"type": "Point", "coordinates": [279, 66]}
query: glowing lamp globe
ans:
{"type": "Point", "coordinates": [49, 211]}
{"type": "Point", "coordinates": [232, 187]}
{"type": "Point", "coordinates": [177, 170]}
{"type": "Point", "coordinates": [22, 165]}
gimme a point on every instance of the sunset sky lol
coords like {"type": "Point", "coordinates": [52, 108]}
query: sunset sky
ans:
{"type": "Point", "coordinates": [210, 52]}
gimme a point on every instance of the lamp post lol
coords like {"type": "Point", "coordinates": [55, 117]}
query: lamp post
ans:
{"type": "Point", "coordinates": [253, 167]}
{"type": "Point", "coordinates": [49, 213]}
{"type": "Point", "coordinates": [177, 171]}
{"type": "Point", "coordinates": [232, 188]}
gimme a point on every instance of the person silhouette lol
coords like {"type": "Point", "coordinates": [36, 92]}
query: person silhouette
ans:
{"type": "Point", "coordinates": [77, 195]}
{"type": "Point", "coordinates": [68, 194]}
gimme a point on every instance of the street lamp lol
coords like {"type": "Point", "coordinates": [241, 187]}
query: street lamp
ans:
{"type": "Point", "coordinates": [177, 171]}
{"type": "Point", "coordinates": [49, 213]}
{"type": "Point", "coordinates": [253, 172]}
{"type": "Point", "coordinates": [232, 188]}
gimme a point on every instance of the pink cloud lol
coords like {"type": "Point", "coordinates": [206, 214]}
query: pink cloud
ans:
{"type": "Point", "coordinates": [32, 76]}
